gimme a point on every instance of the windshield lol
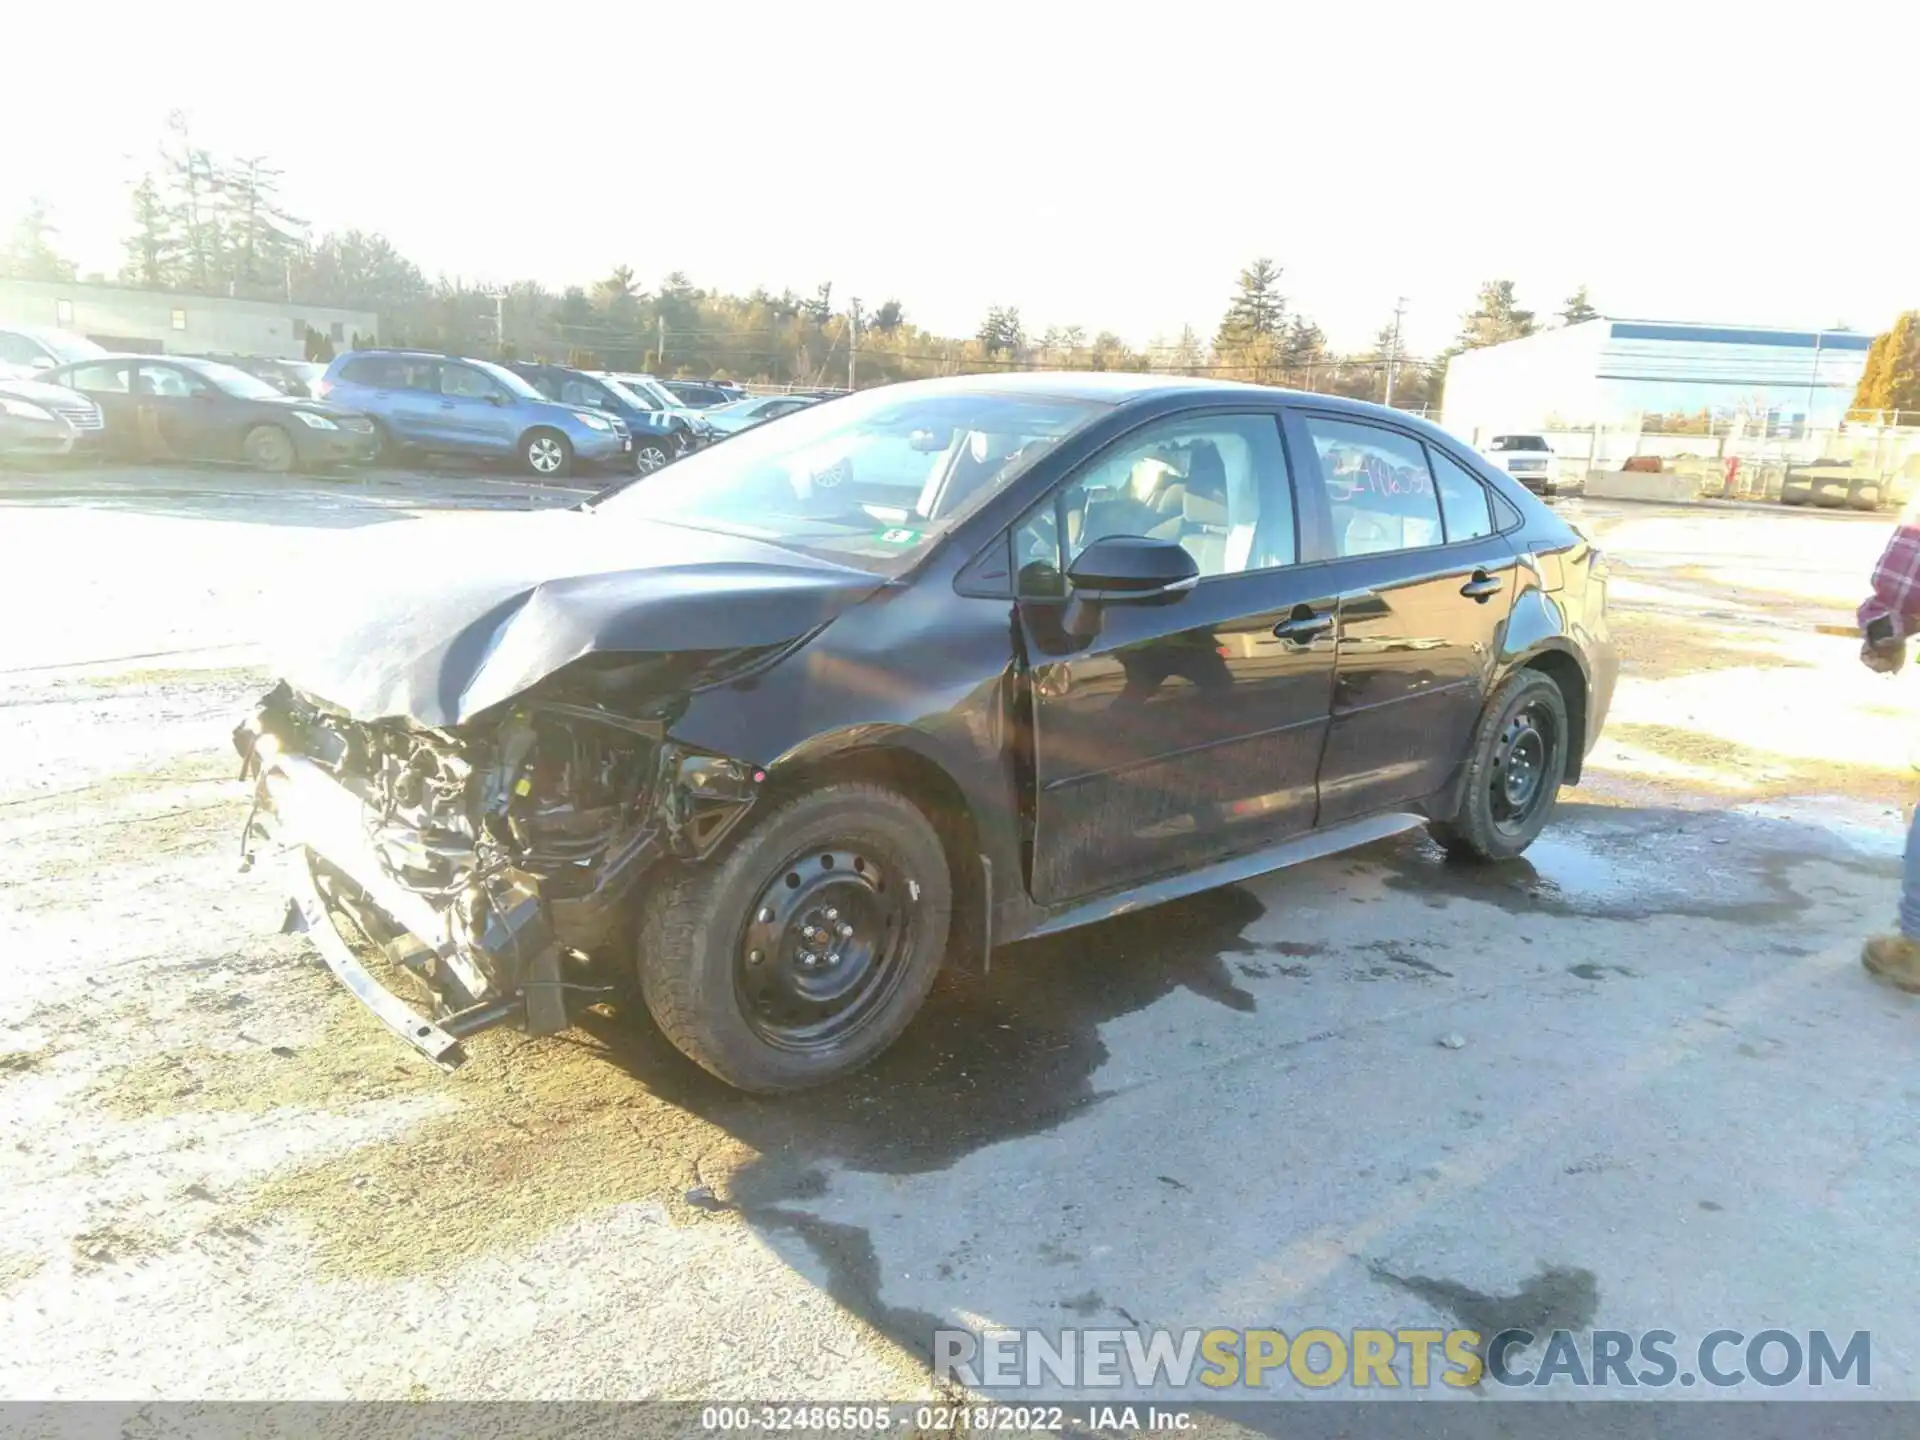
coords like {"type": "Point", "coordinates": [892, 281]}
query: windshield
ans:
{"type": "Point", "coordinates": [624, 391]}
{"type": "Point", "coordinates": [1519, 442]}
{"type": "Point", "coordinates": [238, 383]}
{"type": "Point", "coordinates": [654, 395]}
{"type": "Point", "coordinates": [873, 481]}
{"type": "Point", "coordinates": [69, 347]}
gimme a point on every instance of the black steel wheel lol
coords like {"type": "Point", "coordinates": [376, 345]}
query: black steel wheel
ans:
{"type": "Point", "coordinates": [803, 950]}
{"type": "Point", "coordinates": [823, 947]}
{"type": "Point", "coordinates": [1519, 756]}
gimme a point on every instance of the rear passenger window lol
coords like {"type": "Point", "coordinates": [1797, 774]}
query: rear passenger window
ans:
{"type": "Point", "coordinates": [1463, 499]}
{"type": "Point", "coordinates": [367, 370]}
{"type": "Point", "coordinates": [1378, 487]}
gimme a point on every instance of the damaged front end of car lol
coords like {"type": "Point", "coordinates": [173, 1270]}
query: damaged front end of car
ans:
{"type": "Point", "coordinates": [497, 863]}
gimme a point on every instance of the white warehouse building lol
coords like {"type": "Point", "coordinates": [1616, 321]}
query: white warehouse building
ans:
{"type": "Point", "coordinates": [1634, 374]}
{"type": "Point", "coordinates": [121, 317]}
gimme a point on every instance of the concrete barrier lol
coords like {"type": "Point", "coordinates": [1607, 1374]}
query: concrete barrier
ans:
{"type": "Point", "coordinates": [1638, 485]}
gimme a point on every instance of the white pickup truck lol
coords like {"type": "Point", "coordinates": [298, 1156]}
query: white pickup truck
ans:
{"type": "Point", "coordinates": [1528, 459]}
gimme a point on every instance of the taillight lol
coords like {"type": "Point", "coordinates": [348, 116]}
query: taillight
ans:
{"type": "Point", "coordinates": [322, 388]}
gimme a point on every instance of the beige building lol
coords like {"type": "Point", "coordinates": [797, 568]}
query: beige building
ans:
{"type": "Point", "coordinates": [123, 318]}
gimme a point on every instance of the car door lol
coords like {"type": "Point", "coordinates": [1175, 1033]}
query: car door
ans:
{"type": "Point", "coordinates": [190, 418]}
{"type": "Point", "coordinates": [109, 384]}
{"type": "Point", "coordinates": [406, 394]}
{"type": "Point", "coordinates": [1425, 586]}
{"type": "Point", "coordinates": [474, 411]}
{"type": "Point", "coordinates": [1183, 731]}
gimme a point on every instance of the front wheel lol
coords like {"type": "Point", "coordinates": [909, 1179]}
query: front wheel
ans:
{"type": "Point", "coordinates": [803, 953]}
{"type": "Point", "coordinates": [269, 448]}
{"type": "Point", "coordinates": [1514, 770]}
{"type": "Point", "coordinates": [651, 455]}
{"type": "Point", "coordinates": [546, 454]}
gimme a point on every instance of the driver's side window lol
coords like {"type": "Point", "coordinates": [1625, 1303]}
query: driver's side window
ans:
{"type": "Point", "coordinates": [1215, 484]}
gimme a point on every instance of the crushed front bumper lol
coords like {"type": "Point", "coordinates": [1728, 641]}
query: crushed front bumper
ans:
{"type": "Point", "coordinates": [501, 945]}
{"type": "Point", "coordinates": [300, 805]}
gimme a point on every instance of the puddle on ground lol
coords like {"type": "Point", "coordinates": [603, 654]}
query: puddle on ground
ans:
{"type": "Point", "coordinates": [1629, 865]}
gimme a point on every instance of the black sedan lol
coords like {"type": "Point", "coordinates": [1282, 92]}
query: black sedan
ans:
{"type": "Point", "coordinates": [179, 408]}
{"type": "Point", "coordinates": [903, 679]}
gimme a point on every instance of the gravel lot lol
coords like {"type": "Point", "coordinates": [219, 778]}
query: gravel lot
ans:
{"type": "Point", "coordinates": [1678, 1103]}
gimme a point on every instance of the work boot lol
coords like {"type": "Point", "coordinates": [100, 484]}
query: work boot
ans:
{"type": "Point", "coordinates": [1895, 959]}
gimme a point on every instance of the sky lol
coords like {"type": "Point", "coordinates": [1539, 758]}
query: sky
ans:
{"type": "Point", "coordinates": [1107, 165]}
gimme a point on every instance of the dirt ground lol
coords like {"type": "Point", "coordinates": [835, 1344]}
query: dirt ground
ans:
{"type": "Point", "coordinates": [223, 1179]}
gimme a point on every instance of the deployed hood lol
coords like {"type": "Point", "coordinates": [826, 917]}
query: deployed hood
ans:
{"type": "Point", "coordinates": [438, 620]}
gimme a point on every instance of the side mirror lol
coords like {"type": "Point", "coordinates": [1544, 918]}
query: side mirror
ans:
{"type": "Point", "coordinates": [1125, 570]}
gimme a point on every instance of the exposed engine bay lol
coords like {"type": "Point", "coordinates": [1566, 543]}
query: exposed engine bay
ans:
{"type": "Point", "coordinates": [497, 863]}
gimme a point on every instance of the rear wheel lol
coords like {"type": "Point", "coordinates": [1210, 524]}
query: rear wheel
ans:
{"type": "Point", "coordinates": [1514, 771]}
{"type": "Point", "coordinates": [546, 453]}
{"type": "Point", "coordinates": [269, 448]}
{"type": "Point", "coordinates": [804, 952]}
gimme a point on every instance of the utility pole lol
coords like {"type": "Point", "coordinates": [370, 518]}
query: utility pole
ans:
{"type": "Point", "coordinates": [660, 350]}
{"type": "Point", "coordinates": [1393, 349]}
{"type": "Point", "coordinates": [853, 337]}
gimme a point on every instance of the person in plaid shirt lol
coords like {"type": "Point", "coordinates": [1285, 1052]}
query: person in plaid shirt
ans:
{"type": "Point", "coordinates": [1896, 598]}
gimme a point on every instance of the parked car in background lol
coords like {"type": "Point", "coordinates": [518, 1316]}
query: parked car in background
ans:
{"type": "Point", "coordinates": [37, 418]}
{"type": "Point", "coordinates": [755, 410]}
{"type": "Point", "coordinates": [701, 394]}
{"type": "Point", "coordinates": [1528, 459]}
{"type": "Point", "coordinates": [659, 438]}
{"type": "Point", "coordinates": [449, 404]}
{"type": "Point", "coordinates": [653, 393]}
{"type": "Point", "coordinates": [27, 349]}
{"type": "Point", "coordinates": [972, 659]}
{"type": "Point", "coordinates": [290, 377]}
{"type": "Point", "coordinates": [179, 407]}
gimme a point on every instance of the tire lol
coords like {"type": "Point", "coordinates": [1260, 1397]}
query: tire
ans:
{"type": "Point", "coordinates": [1492, 823]}
{"type": "Point", "coordinates": [386, 451]}
{"type": "Point", "coordinates": [651, 454]}
{"type": "Point", "coordinates": [269, 448]}
{"type": "Point", "coordinates": [546, 454]}
{"type": "Point", "coordinates": [858, 852]}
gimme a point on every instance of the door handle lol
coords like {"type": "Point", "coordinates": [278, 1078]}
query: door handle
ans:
{"type": "Point", "coordinates": [1303, 624]}
{"type": "Point", "coordinates": [1482, 587]}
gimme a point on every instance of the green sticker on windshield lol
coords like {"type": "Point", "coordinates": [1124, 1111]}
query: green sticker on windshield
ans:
{"type": "Point", "coordinates": [899, 537]}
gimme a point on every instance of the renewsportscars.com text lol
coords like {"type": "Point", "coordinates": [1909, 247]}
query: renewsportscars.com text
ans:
{"type": "Point", "coordinates": [1099, 1359]}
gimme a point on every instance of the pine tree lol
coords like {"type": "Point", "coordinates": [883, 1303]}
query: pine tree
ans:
{"type": "Point", "coordinates": [262, 240]}
{"type": "Point", "coordinates": [1257, 309]}
{"type": "Point", "coordinates": [152, 250]}
{"type": "Point", "coordinates": [1497, 318]}
{"type": "Point", "coordinates": [1188, 356]}
{"type": "Point", "coordinates": [192, 186]}
{"type": "Point", "coordinates": [1578, 309]}
{"type": "Point", "coordinates": [29, 252]}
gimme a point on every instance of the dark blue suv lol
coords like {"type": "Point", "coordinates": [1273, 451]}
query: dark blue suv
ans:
{"type": "Point", "coordinates": [659, 437]}
{"type": "Point", "coordinates": [454, 405]}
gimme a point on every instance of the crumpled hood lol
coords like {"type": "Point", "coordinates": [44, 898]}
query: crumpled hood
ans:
{"type": "Point", "coordinates": [438, 620]}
